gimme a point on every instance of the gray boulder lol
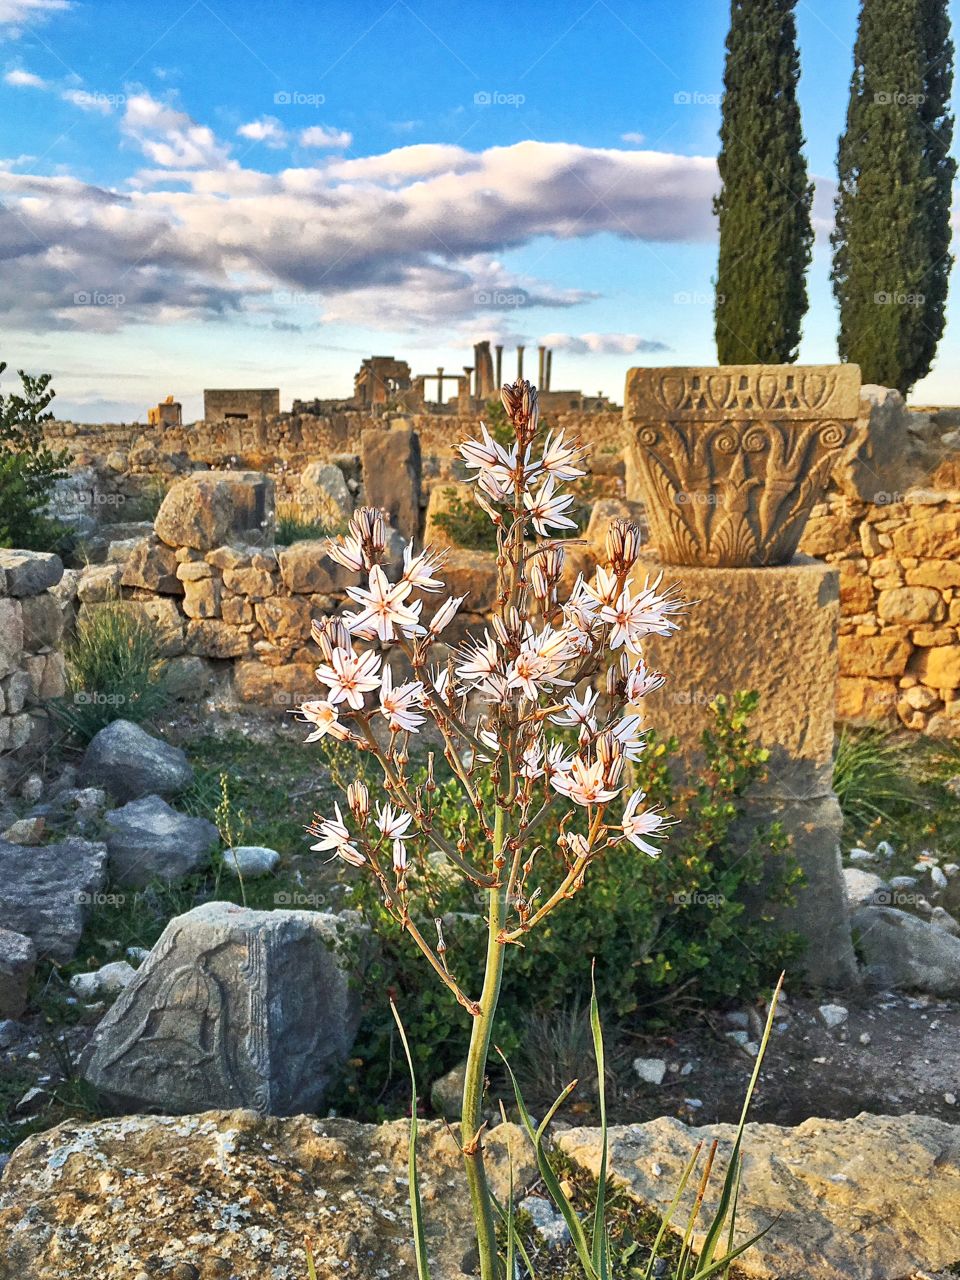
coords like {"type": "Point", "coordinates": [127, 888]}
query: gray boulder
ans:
{"type": "Point", "coordinates": [46, 892]}
{"type": "Point", "coordinates": [250, 861]}
{"type": "Point", "coordinates": [27, 573]}
{"type": "Point", "coordinates": [129, 763]}
{"type": "Point", "coordinates": [900, 950]}
{"type": "Point", "coordinates": [232, 1007]}
{"type": "Point", "coordinates": [18, 959]}
{"type": "Point", "coordinates": [148, 840]}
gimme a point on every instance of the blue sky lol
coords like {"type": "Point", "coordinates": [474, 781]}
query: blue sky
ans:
{"type": "Point", "coordinates": [222, 194]}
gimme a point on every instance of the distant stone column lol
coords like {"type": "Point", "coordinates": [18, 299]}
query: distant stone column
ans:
{"type": "Point", "coordinates": [499, 351]}
{"type": "Point", "coordinates": [440, 385]}
{"type": "Point", "coordinates": [549, 371]}
{"type": "Point", "coordinates": [541, 366]}
{"type": "Point", "coordinates": [519, 362]}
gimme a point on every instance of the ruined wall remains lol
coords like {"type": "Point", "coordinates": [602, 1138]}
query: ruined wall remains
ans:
{"type": "Point", "coordinates": [899, 644]}
{"type": "Point", "coordinates": [32, 667]}
{"type": "Point", "coordinates": [254, 403]}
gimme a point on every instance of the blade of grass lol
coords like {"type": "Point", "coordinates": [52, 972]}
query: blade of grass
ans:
{"type": "Point", "coordinates": [416, 1207]}
{"type": "Point", "coordinates": [598, 1254]}
{"type": "Point", "coordinates": [551, 1181]}
{"type": "Point", "coordinates": [716, 1227]}
{"type": "Point", "coordinates": [311, 1267]}
{"type": "Point", "coordinates": [671, 1210]}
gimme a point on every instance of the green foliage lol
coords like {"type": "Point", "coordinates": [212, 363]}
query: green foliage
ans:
{"type": "Point", "coordinates": [765, 200]}
{"type": "Point", "coordinates": [115, 671]}
{"type": "Point", "coordinates": [466, 524]}
{"type": "Point", "coordinates": [608, 1234]}
{"type": "Point", "coordinates": [28, 468]}
{"type": "Point", "coordinates": [657, 927]}
{"type": "Point", "coordinates": [891, 262]}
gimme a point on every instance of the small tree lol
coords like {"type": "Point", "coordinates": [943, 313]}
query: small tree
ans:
{"type": "Point", "coordinates": [891, 242]}
{"type": "Point", "coordinates": [28, 467]}
{"type": "Point", "coordinates": [765, 197]}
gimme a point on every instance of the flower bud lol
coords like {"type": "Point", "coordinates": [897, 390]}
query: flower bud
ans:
{"type": "Point", "coordinates": [358, 798]}
{"type": "Point", "coordinates": [623, 544]}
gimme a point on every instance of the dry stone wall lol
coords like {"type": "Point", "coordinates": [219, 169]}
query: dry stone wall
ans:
{"type": "Point", "coordinates": [32, 667]}
{"type": "Point", "coordinates": [899, 644]}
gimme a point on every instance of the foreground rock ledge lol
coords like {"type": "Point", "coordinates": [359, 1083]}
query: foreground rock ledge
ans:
{"type": "Point", "coordinates": [234, 1194]}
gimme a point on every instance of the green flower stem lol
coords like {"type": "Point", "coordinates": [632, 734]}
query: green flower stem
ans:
{"type": "Point", "coordinates": [472, 1114]}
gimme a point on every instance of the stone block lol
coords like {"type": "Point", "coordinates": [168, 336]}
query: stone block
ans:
{"type": "Point", "coordinates": [18, 960]}
{"type": "Point", "coordinates": [473, 573]}
{"type": "Point", "coordinates": [11, 635]}
{"type": "Point", "coordinates": [930, 535]}
{"type": "Point", "coordinates": [865, 702]}
{"type": "Point", "coordinates": [42, 622]}
{"type": "Point", "coordinates": [47, 892]}
{"type": "Point", "coordinates": [284, 617]}
{"type": "Point", "coordinates": [214, 638]}
{"type": "Point", "coordinates": [27, 573]}
{"type": "Point", "coordinates": [911, 604]}
{"type": "Point", "coordinates": [392, 473]}
{"type": "Point", "coordinates": [255, 584]}
{"type": "Point", "coordinates": [873, 656]}
{"type": "Point", "coordinates": [129, 763]}
{"type": "Point", "coordinates": [208, 509]}
{"type": "Point", "coordinates": [148, 840]}
{"type": "Point", "coordinates": [939, 666]}
{"type": "Point", "coordinates": [231, 1008]}
{"type": "Point", "coordinates": [280, 688]}
{"type": "Point", "coordinates": [771, 630]}
{"type": "Point", "coordinates": [152, 565]}
{"type": "Point", "coordinates": [201, 598]}
{"type": "Point", "coordinates": [305, 568]}
{"type": "Point", "coordinates": [323, 495]}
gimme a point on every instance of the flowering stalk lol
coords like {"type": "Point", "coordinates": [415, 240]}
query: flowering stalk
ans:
{"type": "Point", "coordinates": [543, 661]}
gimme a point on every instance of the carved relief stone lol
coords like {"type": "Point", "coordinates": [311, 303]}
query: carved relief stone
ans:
{"type": "Point", "coordinates": [730, 460]}
{"type": "Point", "coordinates": [232, 1007]}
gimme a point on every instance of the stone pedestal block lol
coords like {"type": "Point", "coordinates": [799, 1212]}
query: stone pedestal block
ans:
{"type": "Point", "coordinates": [774, 631]}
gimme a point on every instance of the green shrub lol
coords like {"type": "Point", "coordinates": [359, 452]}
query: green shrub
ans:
{"type": "Point", "coordinates": [466, 524]}
{"type": "Point", "coordinates": [28, 468]}
{"type": "Point", "coordinates": [658, 928]}
{"type": "Point", "coordinates": [115, 671]}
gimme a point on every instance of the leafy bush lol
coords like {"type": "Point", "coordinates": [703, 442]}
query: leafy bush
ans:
{"type": "Point", "coordinates": [465, 524]}
{"type": "Point", "coordinates": [115, 671]}
{"type": "Point", "coordinates": [659, 929]}
{"type": "Point", "coordinates": [28, 468]}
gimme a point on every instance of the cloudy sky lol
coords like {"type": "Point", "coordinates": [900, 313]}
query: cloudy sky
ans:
{"type": "Point", "coordinates": [212, 194]}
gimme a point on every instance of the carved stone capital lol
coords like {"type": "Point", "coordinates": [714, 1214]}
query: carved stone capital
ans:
{"type": "Point", "coordinates": [732, 459]}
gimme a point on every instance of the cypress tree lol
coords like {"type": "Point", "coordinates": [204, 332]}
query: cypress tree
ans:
{"type": "Point", "coordinates": [765, 197]}
{"type": "Point", "coordinates": [891, 240]}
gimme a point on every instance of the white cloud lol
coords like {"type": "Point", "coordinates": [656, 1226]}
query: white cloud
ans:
{"type": "Point", "coordinates": [319, 135]}
{"type": "Point", "coordinates": [411, 238]}
{"type": "Point", "coordinates": [169, 137]}
{"type": "Point", "coordinates": [24, 80]}
{"type": "Point", "coordinates": [602, 343]}
{"type": "Point", "coordinates": [268, 129]}
{"type": "Point", "coordinates": [636, 138]}
{"type": "Point", "coordinates": [14, 12]}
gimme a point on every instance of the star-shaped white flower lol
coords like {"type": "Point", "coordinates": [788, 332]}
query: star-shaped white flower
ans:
{"type": "Point", "coordinates": [397, 704]}
{"type": "Point", "coordinates": [547, 510]}
{"type": "Point", "coordinates": [325, 716]}
{"type": "Point", "coordinates": [584, 783]}
{"type": "Point", "coordinates": [382, 606]}
{"type": "Point", "coordinates": [334, 835]}
{"type": "Point", "coordinates": [350, 675]}
{"type": "Point", "coordinates": [638, 823]}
